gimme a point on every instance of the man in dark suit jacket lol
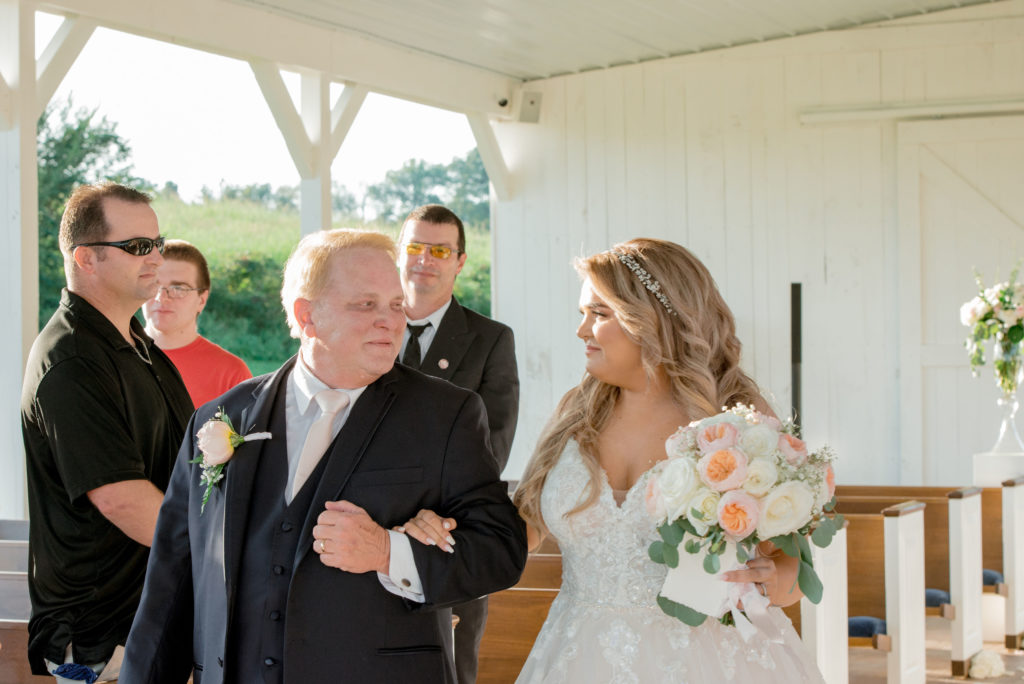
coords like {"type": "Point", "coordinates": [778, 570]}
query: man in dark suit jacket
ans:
{"type": "Point", "coordinates": [449, 341]}
{"type": "Point", "coordinates": [290, 573]}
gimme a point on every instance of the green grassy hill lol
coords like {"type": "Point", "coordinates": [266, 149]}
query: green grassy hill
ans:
{"type": "Point", "coordinates": [246, 246]}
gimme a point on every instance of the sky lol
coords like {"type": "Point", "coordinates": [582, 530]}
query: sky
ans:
{"type": "Point", "coordinates": [198, 119]}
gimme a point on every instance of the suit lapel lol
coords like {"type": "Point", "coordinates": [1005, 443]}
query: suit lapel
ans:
{"type": "Point", "coordinates": [450, 344]}
{"type": "Point", "coordinates": [241, 472]}
{"type": "Point", "coordinates": [347, 451]}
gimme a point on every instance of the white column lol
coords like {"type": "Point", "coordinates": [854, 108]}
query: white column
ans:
{"type": "Point", "coordinates": [315, 190]}
{"type": "Point", "coordinates": [965, 582]}
{"type": "Point", "coordinates": [19, 209]}
{"type": "Point", "coordinates": [823, 627]}
{"type": "Point", "coordinates": [904, 591]}
{"type": "Point", "coordinates": [1013, 559]}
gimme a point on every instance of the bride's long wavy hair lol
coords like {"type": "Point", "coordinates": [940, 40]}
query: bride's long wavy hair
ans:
{"type": "Point", "coordinates": [695, 346]}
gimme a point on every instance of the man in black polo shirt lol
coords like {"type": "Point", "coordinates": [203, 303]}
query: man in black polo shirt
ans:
{"type": "Point", "coordinates": [103, 413]}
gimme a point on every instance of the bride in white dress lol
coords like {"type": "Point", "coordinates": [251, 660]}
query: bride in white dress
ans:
{"type": "Point", "coordinates": [661, 351]}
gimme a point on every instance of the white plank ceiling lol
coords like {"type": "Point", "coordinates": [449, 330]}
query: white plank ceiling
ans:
{"type": "Point", "coordinates": [533, 39]}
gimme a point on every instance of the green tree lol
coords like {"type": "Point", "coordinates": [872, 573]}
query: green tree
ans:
{"type": "Point", "coordinates": [470, 189]}
{"type": "Point", "coordinates": [74, 146]}
{"type": "Point", "coordinates": [416, 183]}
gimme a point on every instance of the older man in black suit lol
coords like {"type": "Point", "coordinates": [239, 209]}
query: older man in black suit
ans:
{"type": "Point", "coordinates": [288, 572]}
{"type": "Point", "coordinates": [449, 341]}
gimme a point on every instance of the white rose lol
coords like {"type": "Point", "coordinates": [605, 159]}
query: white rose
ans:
{"type": "Point", "coordinates": [758, 441]}
{"type": "Point", "coordinates": [706, 501]}
{"type": "Point", "coordinates": [986, 664]}
{"type": "Point", "coordinates": [677, 482]}
{"type": "Point", "coordinates": [785, 509]}
{"type": "Point", "coordinates": [1008, 317]}
{"type": "Point", "coordinates": [761, 475]}
{"type": "Point", "coordinates": [970, 312]}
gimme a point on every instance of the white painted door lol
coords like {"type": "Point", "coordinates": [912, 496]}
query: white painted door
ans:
{"type": "Point", "coordinates": [961, 205]}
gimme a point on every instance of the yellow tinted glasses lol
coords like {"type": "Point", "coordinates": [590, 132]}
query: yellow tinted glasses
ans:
{"type": "Point", "coordinates": [436, 251]}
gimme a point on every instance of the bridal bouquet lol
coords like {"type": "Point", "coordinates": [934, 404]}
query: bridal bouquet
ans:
{"type": "Point", "coordinates": [731, 481]}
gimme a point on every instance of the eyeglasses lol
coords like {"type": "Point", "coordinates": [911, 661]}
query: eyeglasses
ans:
{"type": "Point", "coordinates": [436, 251]}
{"type": "Point", "coordinates": [140, 246]}
{"type": "Point", "coordinates": [177, 291]}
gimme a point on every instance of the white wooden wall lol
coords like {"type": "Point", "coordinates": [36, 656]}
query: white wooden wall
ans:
{"type": "Point", "coordinates": [778, 163]}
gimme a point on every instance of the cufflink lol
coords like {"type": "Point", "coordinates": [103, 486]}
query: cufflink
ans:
{"type": "Point", "coordinates": [442, 364]}
{"type": "Point", "coordinates": [406, 583]}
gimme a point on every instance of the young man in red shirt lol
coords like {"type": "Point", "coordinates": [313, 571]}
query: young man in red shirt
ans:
{"type": "Point", "coordinates": [172, 320]}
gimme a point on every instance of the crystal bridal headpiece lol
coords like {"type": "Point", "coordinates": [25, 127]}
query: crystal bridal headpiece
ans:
{"type": "Point", "coordinates": [649, 281]}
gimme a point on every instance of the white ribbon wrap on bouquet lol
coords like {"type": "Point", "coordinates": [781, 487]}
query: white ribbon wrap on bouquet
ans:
{"type": "Point", "coordinates": [689, 584]}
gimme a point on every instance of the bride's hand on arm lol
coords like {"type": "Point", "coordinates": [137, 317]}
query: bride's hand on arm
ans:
{"type": "Point", "coordinates": [773, 569]}
{"type": "Point", "coordinates": [431, 529]}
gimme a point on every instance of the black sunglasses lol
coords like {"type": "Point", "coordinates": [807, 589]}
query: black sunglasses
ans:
{"type": "Point", "coordinates": [140, 246]}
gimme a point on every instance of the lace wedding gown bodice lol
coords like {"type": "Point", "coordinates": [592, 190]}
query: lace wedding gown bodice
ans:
{"type": "Point", "coordinates": [605, 624]}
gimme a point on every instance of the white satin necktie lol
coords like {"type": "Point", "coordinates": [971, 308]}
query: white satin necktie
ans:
{"type": "Point", "coordinates": [319, 436]}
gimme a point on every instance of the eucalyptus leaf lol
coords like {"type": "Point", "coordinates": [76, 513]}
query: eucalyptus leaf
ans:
{"type": "Point", "coordinates": [696, 514]}
{"type": "Point", "coordinates": [787, 543]}
{"type": "Point", "coordinates": [809, 582]}
{"type": "Point", "coordinates": [687, 526]}
{"type": "Point", "coordinates": [671, 555]}
{"type": "Point", "coordinates": [683, 613]}
{"type": "Point", "coordinates": [805, 549]}
{"type": "Point", "coordinates": [711, 563]}
{"type": "Point", "coordinates": [741, 554]}
{"type": "Point", "coordinates": [692, 546]}
{"type": "Point", "coordinates": [671, 534]}
{"type": "Point", "coordinates": [823, 533]}
{"type": "Point", "coordinates": [656, 552]}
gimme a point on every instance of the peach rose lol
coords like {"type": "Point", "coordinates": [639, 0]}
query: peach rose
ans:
{"type": "Point", "coordinates": [654, 501]}
{"type": "Point", "coordinates": [723, 469]}
{"type": "Point", "coordinates": [738, 514]}
{"type": "Point", "coordinates": [827, 489]}
{"type": "Point", "coordinates": [679, 442]}
{"type": "Point", "coordinates": [793, 449]}
{"type": "Point", "coordinates": [214, 441]}
{"type": "Point", "coordinates": [717, 436]}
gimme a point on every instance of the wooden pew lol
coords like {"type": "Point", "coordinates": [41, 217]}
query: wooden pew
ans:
{"type": "Point", "coordinates": [1013, 538]}
{"type": "Point", "coordinates": [515, 616]}
{"type": "Point", "coordinates": [904, 595]}
{"type": "Point", "coordinates": [855, 498]}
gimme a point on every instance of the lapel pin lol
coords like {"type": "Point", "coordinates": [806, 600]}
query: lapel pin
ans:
{"type": "Point", "coordinates": [442, 364]}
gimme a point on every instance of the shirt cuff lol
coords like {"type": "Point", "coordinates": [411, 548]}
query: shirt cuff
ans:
{"type": "Point", "coordinates": [402, 578]}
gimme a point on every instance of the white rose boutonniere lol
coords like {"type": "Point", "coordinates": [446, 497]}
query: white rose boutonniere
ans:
{"type": "Point", "coordinates": [217, 440]}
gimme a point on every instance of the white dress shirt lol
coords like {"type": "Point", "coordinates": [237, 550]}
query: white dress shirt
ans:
{"type": "Point", "coordinates": [427, 336]}
{"type": "Point", "coordinates": [301, 411]}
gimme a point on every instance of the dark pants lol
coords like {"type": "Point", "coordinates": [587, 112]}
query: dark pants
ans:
{"type": "Point", "coordinates": [472, 619]}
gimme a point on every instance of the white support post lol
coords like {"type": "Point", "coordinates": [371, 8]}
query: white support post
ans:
{"type": "Point", "coordinates": [19, 242]}
{"type": "Point", "coordinates": [61, 52]}
{"type": "Point", "coordinates": [315, 189]}
{"type": "Point", "coordinates": [823, 627]}
{"type": "Point", "coordinates": [1013, 560]}
{"type": "Point", "coordinates": [965, 581]}
{"type": "Point", "coordinates": [490, 155]}
{"type": "Point", "coordinates": [343, 114]}
{"type": "Point", "coordinates": [904, 592]}
{"type": "Point", "coordinates": [285, 115]}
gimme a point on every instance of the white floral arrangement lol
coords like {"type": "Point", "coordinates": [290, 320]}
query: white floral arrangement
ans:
{"type": "Point", "coordinates": [731, 481]}
{"type": "Point", "coordinates": [997, 313]}
{"type": "Point", "coordinates": [217, 440]}
{"type": "Point", "coordinates": [985, 665]}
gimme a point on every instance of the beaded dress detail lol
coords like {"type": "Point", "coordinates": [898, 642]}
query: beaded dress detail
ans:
{"type": "Point", "coordinates": [605, 626]}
